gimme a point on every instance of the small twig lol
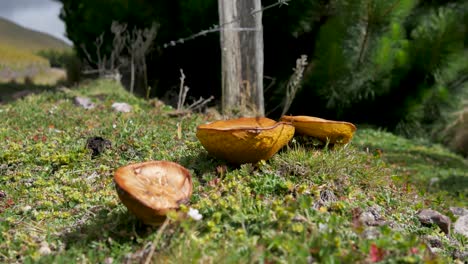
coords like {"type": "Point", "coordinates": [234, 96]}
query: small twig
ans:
{"type": "Point", "coordinates": [182, 91]}
{"type": "Point", "coordinates": [92, 71]}
{"type": "Point", "coordinates": [199, 103]}
{"type": "Point", "coordinates": [148, 92]}
{"type": "Point", "coordinates": [156, 240]}
{"type": "Point", "coordinates": [294, 82]}
{"type": "Point", "coordinates": [88, 56]}
{"type": "Point", "coordinates": [271, 84]}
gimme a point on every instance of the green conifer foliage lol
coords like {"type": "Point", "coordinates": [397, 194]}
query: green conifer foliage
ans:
{"type": "Point", "coordinates": [358, 48]}
{"type": "Point", "coordinates": [438, 49]}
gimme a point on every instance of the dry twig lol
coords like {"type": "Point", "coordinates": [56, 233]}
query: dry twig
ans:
{"type": "Point", "coordinates": [294, 82]}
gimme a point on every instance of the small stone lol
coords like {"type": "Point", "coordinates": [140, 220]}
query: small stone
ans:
{"type": "Point", "coordinates": [461, 226]}
{"type": "Point", "coordinates": [395, 226]}
{"type": "Point", "coordinates": [376, 211]}
{"type": "Point", "coordinates": [372, 217]}
{"type": "Point", "coordinates": [44, 249]}
{"type": "Point", "coordinates": [460, 255]}
{"type": "Point", "coordinates": [326, 198]}
{"type": "Point", "coordinates": [366, 218]}
{"type": "Point", "coordinates": [458, 211]}
{"type": "Point", "coordinates": [433, 181]}
{"type": "Point", "coordinates": [371, 233]}
{"type": "Point", "coordinates": [122, 107]}
{"type": "Point", "coordinates": [2, 195]}
{"type": "Point", "coordinates": [311, 260]}
{"type": "Point", "coordinates": [435, 251]}
{"type": "Point", "coordinates": [433, 241]}
{"type": "Point", "coordinates": [108, 260]}
{"type": "Point", "coordinates": [84, 102]}
{"type": "Point", "coordinates": [26, 209]}
{"type": "Point", "coordinates": [429, 217]}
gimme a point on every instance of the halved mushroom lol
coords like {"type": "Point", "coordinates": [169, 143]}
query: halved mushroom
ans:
{"type": "Point", "coordinates": [152, 189]}
{"type": "Point", "coordinates": [335, 132]}
{"type": "Point", "coordinates": [244, 140]}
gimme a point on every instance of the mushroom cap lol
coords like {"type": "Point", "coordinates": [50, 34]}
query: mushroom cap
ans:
{"type": "Point", "coordinates": [334, 131]}
{"type": "Point", "coordinates": [151, 189]}
{"type": "Point", "coordinates": [246, 139]}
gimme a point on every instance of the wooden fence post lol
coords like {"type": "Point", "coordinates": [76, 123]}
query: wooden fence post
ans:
{"type": "Point", "coordinates": [242, 57]}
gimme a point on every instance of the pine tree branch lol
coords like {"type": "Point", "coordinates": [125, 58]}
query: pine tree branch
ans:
{"type": "Point", "coordinates": [390, 9]}
{"type": "Point", "coordinates": [366, 35]}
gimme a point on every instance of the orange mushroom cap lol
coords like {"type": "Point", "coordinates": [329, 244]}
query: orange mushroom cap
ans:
{"type": "Point", "coordinates": [244, 140]}
{"type": "Point", "coordinates": [151, 189]}
{"type": "Point", "coordinates": [325, 130]}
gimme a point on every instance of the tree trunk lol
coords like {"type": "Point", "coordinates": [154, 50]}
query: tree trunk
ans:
{"type": "Point", "coordinates": [242, 57]}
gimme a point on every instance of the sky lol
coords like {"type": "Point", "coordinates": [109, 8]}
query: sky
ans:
{"type": "Point", "coordinates": [40, 15]}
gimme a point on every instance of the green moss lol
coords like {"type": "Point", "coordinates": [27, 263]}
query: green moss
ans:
{"type": "Point", "coordinates": [298, 206]}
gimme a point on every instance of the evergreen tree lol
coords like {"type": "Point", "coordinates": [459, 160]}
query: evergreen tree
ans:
{"type": "Point", "coordinates": [380, 62]}
{"type": "Point", "coordinates": [357, 50]}
{"type": "Point", "coordinates": [439, 54]}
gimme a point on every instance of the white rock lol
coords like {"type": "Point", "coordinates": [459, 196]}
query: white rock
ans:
{"type": "Point", "coordinates": [26, 208]}
{"type": "Point", "coordinates": [122, 107]}
{"type": "Point", "coordinates": [461, 226]}
{"type": "Point", "coordinates": [84, 102]}
{"type": "Point", "coordinates": [44, 249]}
{"type": "Point", "coordinates": [459, 211]}
{"type": "Point", "coordinates": [428, 217]}
{"type": "Point", "coordinates": [366, 218]}
{"type": "Point", "coordinates": [435, 250]}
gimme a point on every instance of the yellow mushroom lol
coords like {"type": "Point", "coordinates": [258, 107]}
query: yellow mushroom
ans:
{"type": "Point", "coordinates": [244, 140]}
{"type": "Point", "coordinates": [335, 132]}
{"type": "Point", "coordinates": [152, 189]}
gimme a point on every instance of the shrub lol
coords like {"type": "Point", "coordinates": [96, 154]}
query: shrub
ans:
{"type": "Point", "coordinates": [57, 58]}
{"type": "Point", "coordinates": [73, 67]}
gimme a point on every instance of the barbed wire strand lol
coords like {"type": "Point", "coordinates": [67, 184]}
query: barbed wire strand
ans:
{"type": "Point", "coordinates": [218, 27]}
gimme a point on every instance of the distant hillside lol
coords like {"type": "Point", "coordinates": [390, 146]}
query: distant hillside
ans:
{"type": "Point", "coordinates": [17, 58]}
{"type": "Point", "coordinates": [12, 34]}
{"type": "Point", "coordinates": [18, 53]}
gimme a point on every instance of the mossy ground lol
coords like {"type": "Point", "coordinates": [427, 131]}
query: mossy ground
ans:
{"type": "Point", "coordinates": [300, 206]}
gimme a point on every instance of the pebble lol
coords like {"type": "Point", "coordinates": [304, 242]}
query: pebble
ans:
{"type": "Point", "coordinates": [122, 107]}
{"type": "Point", "coordinates": [461, 226]}
{"type": "Point", "coordinates": [428, 217]}
{"type": "Point", "coordinates": [44, 249]}
{"type": "Point", "coordinates": [457, 211]}
{"type": "Point", "coordinates": [84, 102]}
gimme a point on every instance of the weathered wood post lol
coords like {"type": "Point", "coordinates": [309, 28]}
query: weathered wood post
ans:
{"type": "Point", "coordinates": [242, 57]}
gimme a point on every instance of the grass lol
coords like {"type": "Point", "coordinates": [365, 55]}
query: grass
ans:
{"type": "Point", "coordinates": [303, 205]}
{"type": "Point", "coordinates": [15, 58]}
{"type": "Point", "coordinates": [436, 171]}
{"type": "Point", "coordinates": [15, 35]}
{"type": "Point", "coordinates": [20, 66]}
